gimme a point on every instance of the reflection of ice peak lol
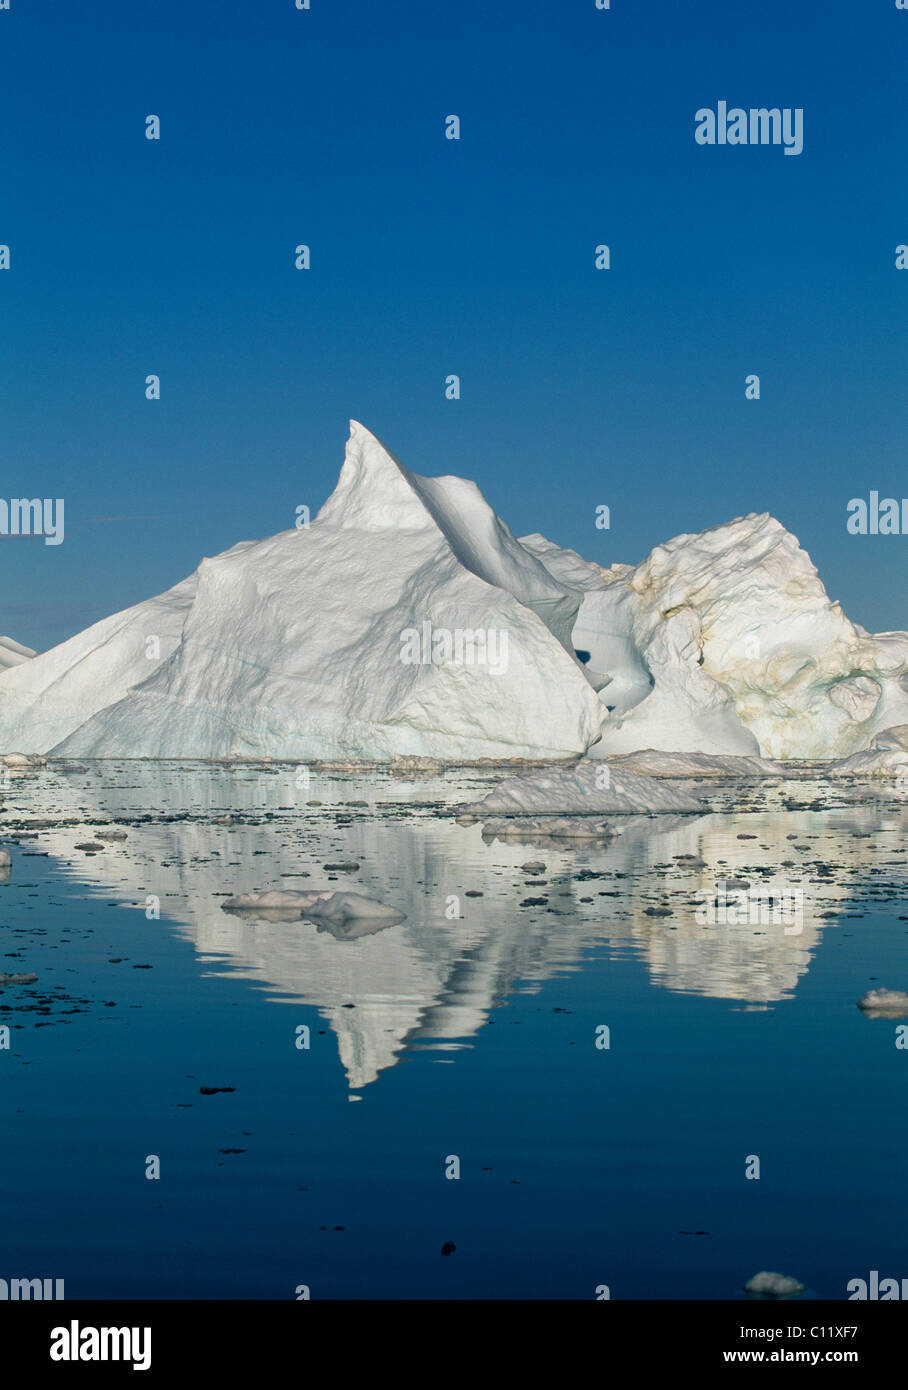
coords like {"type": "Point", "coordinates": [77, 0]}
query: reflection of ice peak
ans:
{"type": "Point", "coordinates": [432, 980]}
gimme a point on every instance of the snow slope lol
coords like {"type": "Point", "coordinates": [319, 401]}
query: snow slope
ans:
{"type": "Point", "coordinates": [45, 699]}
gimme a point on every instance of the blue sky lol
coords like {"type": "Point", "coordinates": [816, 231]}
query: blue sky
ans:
{"type": "Point", "coordinates": [430, 257]}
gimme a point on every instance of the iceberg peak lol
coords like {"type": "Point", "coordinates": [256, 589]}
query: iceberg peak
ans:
{"type": "Point", "coordinates": [374, 490]}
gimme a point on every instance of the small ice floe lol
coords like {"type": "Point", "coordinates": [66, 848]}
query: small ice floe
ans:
{"type": "Point", "coordinates": [886, 757]}
{"type": "Point", "coordinates": [587, 788]}
{"type": "Point", "coordinates": [884, 1003]}
{"type": "Point", "coordinates": [111, 835]}
{"type": "Point", "coordinates": [20, 765]}
{"type": "Point", "coordinates": [5, 859]}
{"type": "Point", "coordinates": [320, 904]}
{"type": "Point", "coordinates": [769, 1285]}
{"type": "Point", "coordinates": [26, 979]}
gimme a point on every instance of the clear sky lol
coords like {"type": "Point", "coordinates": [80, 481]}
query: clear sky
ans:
{"type": "Point", "coordinates": [432, 256]}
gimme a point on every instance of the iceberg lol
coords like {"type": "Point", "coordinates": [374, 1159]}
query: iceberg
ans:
{"type": "Point", "coordinates": [297, 646]}
{"type": "Point", "coordinates": [407, 623]}
{"type": "Point", "coordinates": [884, 1003]}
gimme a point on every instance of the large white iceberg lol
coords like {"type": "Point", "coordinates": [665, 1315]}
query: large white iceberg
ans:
{"type": "Point", "coordinates": [407, 621]}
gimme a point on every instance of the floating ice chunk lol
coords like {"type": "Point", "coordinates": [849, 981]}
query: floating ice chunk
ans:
{"type": "Point", "coordinates": [875, 762]}
{"type": "Point", "coordinates": [884, 1003]}
{"type": "Point", "coordinates": [769, 1285]}
{"type": "Point", "coordinates": [319, 903]}
{"type": "Point", "coordinates": [587, 788]}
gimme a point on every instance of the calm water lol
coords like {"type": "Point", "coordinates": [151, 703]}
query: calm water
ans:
{"type": "Point", "coordinates": [471, 1037]}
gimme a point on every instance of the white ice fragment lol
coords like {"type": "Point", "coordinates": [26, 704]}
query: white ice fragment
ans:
{"type": "Point", "coordinates": [766, 1284]}
{"type": "Point", "coordinates": [884, 1003]}
{"type": "Point", "coordinates": [587, 788]}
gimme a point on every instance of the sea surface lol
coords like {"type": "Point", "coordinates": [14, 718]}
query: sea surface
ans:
{"type": "Point", "coordinates": [386, 1095]}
